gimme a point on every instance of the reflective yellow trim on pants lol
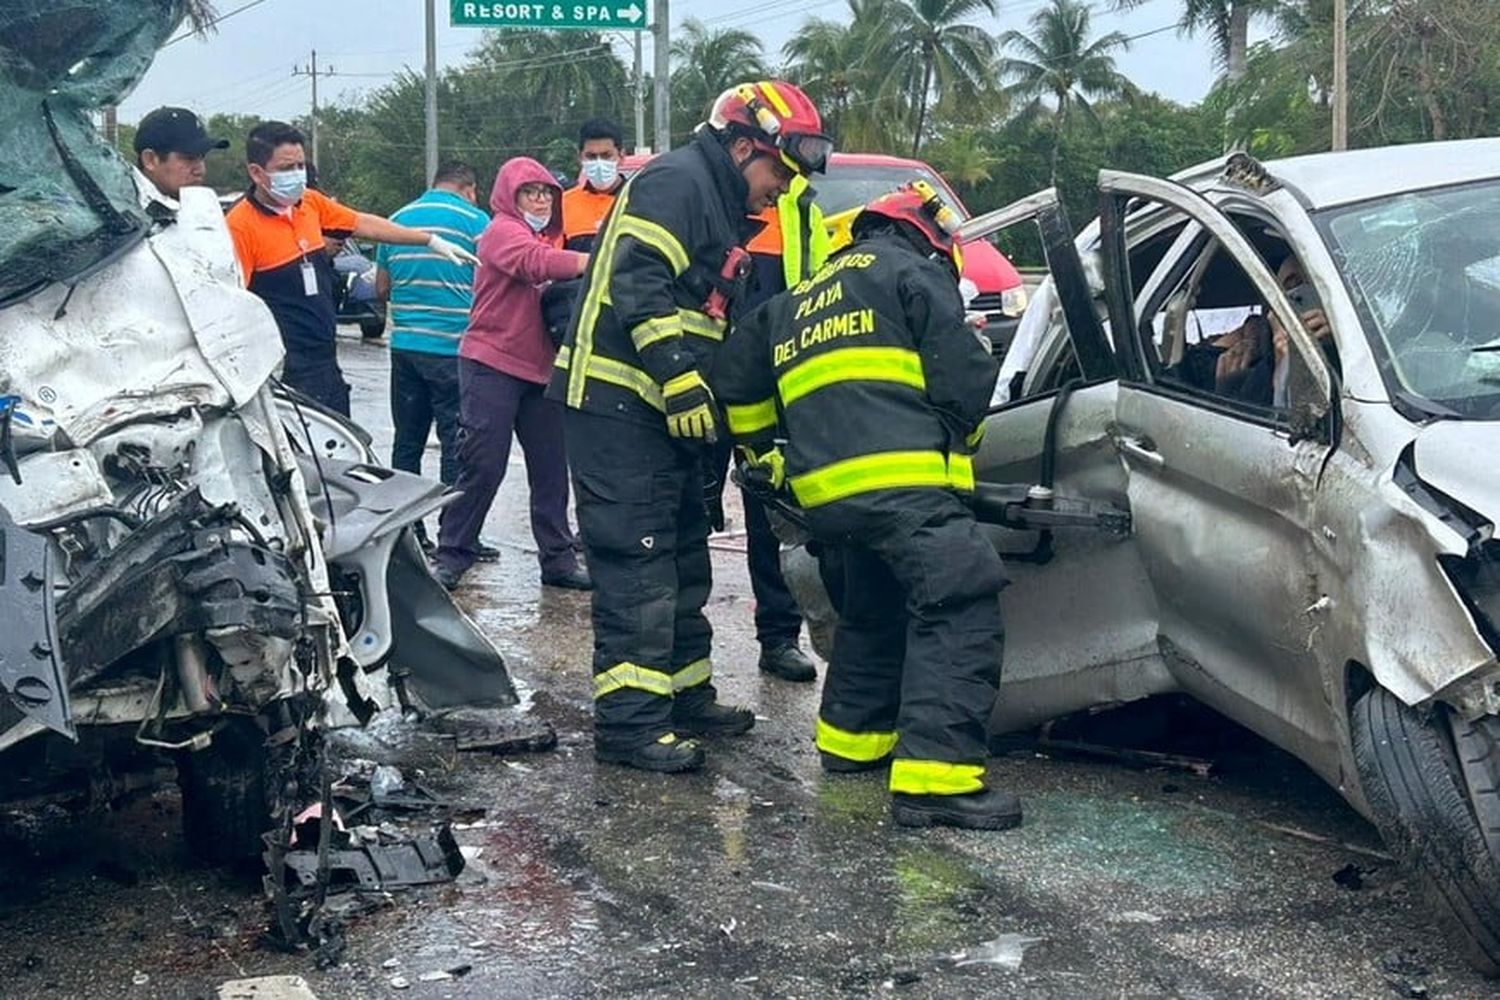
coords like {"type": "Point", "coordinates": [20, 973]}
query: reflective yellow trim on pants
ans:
{"type": "Point", "coordinates": [751, 417]}
{"type": "Point", "coordinates": [852, 364]}
{"type": "Point", "coordinates": [695, 673]}
{"type": "Point", "coordinates": [863, 747]}
{"type": "Point", "coordinates": [658, 238]}
{"type": "Point", "coordinates": [701, 324]}
{"type": "Point", "coordinates": [655, 329]}
{"type": "Point", "coordinates": [935, 777]}
{"type": "Point", "coordinates": [881, 471]}
{"type": "Point", "coordinates": [633, 676]}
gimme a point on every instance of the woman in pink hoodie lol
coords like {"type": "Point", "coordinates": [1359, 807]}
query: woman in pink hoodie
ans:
{"type": "Point", "coordinates": [504, 363]}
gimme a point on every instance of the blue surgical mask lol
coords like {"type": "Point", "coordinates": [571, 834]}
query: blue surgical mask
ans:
{"type": "Point", "coordinates": [601, 173]}
{"type": "Point", "coordinates": [287, 186]}
{"type": "Point", "coordinates": [537, 222]}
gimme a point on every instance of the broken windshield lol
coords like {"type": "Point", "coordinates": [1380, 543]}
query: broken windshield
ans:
{"type": "Point", "coordinates": [1424, 270]}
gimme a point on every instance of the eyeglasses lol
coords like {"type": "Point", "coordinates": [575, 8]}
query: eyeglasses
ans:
{"type": "Point", "coordinates": [538, 191]}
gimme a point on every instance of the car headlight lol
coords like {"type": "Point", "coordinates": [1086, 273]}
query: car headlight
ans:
{"type": "Point", "coordinates": [1013, 301]}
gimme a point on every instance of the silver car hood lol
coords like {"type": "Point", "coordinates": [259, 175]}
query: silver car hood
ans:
{"type": "Point", "coordinates": [1458, 458]}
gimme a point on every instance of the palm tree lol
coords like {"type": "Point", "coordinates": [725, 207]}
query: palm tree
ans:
{"type": "Point", "coordinates": [930, 53]}
{"type": "Point", "coordinates": [1057, 59]}
{"type": "Point", "coordinates": [829, 60]}
{"type": "Point", "coordinates": [1226, 21]}
{"type": "Point", "coordinates": [708, 62]}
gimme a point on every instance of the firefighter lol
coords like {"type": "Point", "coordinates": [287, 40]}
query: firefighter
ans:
{"type": "Point", "coordinates": [792, 245]}
{"type": "Point", "coordinates": [877, 388]}
{"type": "Point", "coordinates": [640, 415]}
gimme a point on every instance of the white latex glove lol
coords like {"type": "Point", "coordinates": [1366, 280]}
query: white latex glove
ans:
{"type": "Point", "coordinates": [452, 252]}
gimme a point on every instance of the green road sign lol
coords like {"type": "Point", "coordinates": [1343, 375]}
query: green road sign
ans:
{"type": "Point", "coordinates": [624, 15]}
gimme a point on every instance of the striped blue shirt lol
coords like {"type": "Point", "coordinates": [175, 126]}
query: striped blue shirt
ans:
{"type": "Point", "coordinates": [430, 298]}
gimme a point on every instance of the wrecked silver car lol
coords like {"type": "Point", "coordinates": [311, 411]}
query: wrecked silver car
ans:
{"type": "Point", "coordinates": [1274, 486]}
{"type": "Point", "coordinates": [192, 564]}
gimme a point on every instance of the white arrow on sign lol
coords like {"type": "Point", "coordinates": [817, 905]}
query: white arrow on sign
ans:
{"type": "Point", "coordinates": [632, 13]}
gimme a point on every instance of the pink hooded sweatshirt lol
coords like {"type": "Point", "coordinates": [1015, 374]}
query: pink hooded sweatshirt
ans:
{"type": "Point", "coordinates": [505, 324]}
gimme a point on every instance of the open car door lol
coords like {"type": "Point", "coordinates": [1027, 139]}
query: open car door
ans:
{"type": "Point", "coordinates": [1080, 620]}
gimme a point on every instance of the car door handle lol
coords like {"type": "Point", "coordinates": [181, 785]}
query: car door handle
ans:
{"type": "Point", "coordinates": [1142, 449]}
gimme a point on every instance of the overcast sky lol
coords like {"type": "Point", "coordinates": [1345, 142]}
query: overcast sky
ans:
{"type": "Point", "coordinates": [247, 65]}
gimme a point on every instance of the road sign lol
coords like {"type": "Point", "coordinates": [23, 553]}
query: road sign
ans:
{"type": "Point", "coordinates": [624, 15]}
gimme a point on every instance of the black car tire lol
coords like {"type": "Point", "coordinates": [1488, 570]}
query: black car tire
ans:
{"type": "Point", "coordinates": [226, 805]}
{"type": "Point", "coordinates": [1424, 807]}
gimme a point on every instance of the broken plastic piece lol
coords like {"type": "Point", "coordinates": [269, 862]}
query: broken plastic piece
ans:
{"type": "Point", "coordinates": [372, 868]}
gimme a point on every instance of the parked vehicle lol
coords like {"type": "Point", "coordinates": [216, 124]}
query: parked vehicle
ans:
{"type": "Point", "coordinates": [853, 179]}
{"type": "Point", "coordinates": [1316, 561]}
{"type": "Point", "coordinates": [354, 296]}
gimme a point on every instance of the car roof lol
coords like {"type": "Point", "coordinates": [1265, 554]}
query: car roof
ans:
{"type": "Point", "coordinates": [1330, 179]}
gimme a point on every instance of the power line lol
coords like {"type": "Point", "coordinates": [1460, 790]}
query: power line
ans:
{"type": "Point", "coordinates": [215, 22]}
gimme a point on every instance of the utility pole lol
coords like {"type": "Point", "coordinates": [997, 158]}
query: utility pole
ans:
{"type": "Point", "coordinates": [431, 108]}
{"type": "Point", "coordinates": [311, 70]}
{"type": "Point", "coordinates": [1340, 74]}
{"type": "Point", "coordinates": [111, 124]}
{"type": "Point", "coordinates": [640, 98]}
{"type": "Point", "coordinates": [663, 45]}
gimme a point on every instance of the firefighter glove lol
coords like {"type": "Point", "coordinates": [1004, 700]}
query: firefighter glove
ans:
{"type": "Point", "coordinates": [690, 408]}
{"type": "Point", "coordinates": [767, 467]}
{"type": "Point", "coordinates": [451, 252]}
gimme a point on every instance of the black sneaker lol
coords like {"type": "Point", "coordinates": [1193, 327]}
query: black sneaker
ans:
{"type": "Point", "coordinates": [989, 809]}
{"type": "Point", "coordinates": [834, 764]}
{"type": "Point", "coordinates": [449, 578]}
{"type": "Point", "coordinates": [712, 719]}
{"type": "Point", "coordinates": [486, 551]}
{"type": "Point", "coordinates": [789, 663]}
{"type": "Point", "coordinates": [576, 578]}
{"type": "Point", "coordinates": [666, 755]}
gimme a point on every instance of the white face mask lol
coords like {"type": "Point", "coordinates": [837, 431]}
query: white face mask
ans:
{"type": "Point", "coordinates": [537, 222]}
{"type": "Point", "coordinates": [601, 173]}
{"type": "Point", "coordinates": [287, 186]}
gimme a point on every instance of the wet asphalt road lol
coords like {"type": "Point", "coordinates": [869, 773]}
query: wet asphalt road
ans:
{"type": "Point", "coordinates": [760, 877]}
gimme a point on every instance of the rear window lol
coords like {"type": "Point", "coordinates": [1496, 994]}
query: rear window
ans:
{"type": "Point", "coordinates": [846, 186]}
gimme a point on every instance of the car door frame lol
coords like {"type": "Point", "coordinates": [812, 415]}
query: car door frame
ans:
{"type": "Point", "coordinates": [1250, 660]}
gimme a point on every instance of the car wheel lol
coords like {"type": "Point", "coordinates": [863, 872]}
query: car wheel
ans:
{"type": "Point", "coordinates": [1428, 811]}
{"type": "Point", "coordinates": [372, 329]}
{"type": "Point", "coordinates": [225, 799]}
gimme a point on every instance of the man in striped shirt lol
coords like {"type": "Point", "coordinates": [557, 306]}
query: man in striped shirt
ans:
{"type": "Point", "coordinates": [429, 310]}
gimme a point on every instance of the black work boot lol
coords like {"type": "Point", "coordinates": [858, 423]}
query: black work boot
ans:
{"type": "Point", "coordinates": [789, 663]}
{"type": "Point", "coordinates": [989, 809]}
{"type": "Point", "coordinates": [834, 764]}
{"type": "Point", "coordinates": [709, 718]}
{"type": "Point", "coordinates": [667, 755]}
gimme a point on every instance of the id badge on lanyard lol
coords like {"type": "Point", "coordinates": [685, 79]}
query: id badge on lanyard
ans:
{"type": "Point", "coordinates": [309, 278]}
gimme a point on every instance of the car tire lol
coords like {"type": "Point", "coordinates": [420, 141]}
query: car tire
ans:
{"type": "Point", "coordinates": [226, 804]}
{"type": "Point", "coordinates": [1426, 811]}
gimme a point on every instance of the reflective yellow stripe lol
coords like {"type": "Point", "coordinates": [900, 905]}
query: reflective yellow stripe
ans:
{"type": "Point", "coordinates": [974, 440]}
{"type": "Point", "coordinates": [935, 777]}
{"type": "Point", "coordinates": [751, 417]}
{"type": "Point", "coordinates": [630, 675]}
{"type": "Point", "coordinates": [655, 329]}
{"type": "Point", "coordinates": [880, 471]}
{"type": "Point", "coordinates": [563, 354]}
{"type": "Point", "coordinates": [626, 377]}
{"type": "Point", "coordinates": [961, 472]}
{"type": "Point", "coordinates": [593, 299]}
{"type": "Point", "coordinates": [850, 364]}
{"type": "Point", "coordinates": [854, 746]}
{"type": "Point", "coordinates": [700, 325]}
{"type": "Point", "coordinates": [695, 673]}
{"type": "Point", "coordinates": [777, 101]}
{"type": "Point", "coordinates": [657, 238]}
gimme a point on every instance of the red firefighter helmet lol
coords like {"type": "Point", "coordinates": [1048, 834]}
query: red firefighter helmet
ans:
{"type": "Point", "coordinates": [781, 120]}
{"type": "Point", "coordinates": [919, 205]}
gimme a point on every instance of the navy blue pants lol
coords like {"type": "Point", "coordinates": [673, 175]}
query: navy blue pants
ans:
{"type": "Point", "coordinates": [318, 378]}
{"type": "Point", "coordinates": [424, 392]}
{"type": "Point", "coordinates": [493, 406]}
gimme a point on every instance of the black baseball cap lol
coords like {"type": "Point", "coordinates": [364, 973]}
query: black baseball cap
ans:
{"type": "Point", "coordinates": [175, 130]}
